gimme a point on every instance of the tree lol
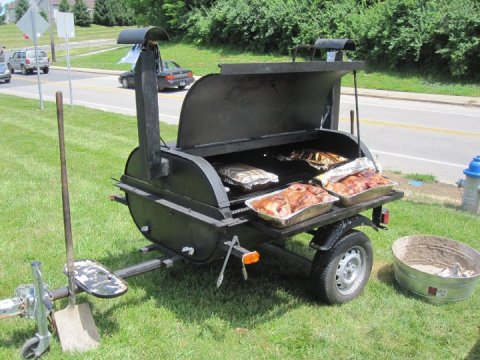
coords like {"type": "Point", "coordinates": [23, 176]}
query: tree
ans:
{"type": "Point", "coordinates": [113, 12]}
{"type": "Point", "coordinates": [122, 12]}
{"type": "Point", "coordinates": [44, 14]}
{"type": "Point", "coordinates": [21, 9]}
{"type": "Point", "coordinates": [64, 6]}
{"type": "Point", "coordinates": [2, 17]}
{"type": "Point", "coordinates": [103, 14]}
{"type": "Point", "coordinates": [80, 14]}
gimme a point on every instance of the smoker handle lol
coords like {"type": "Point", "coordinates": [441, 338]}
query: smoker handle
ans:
{"type": "Point", "coordinates": [140, 36]}
{"type": "Point", "coordinates": [179, 208]}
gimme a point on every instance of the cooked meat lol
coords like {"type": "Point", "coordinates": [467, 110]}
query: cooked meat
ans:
{"type": "Point", "coordinates": [291, 200]}
{"type": "Point", "coordinates": [357, 183]}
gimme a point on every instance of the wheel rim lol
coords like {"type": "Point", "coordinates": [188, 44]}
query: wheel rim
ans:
{"type": "Point", "coordinates": [124, 83]}
{"type": "Point", "coordinates": [351, 270]}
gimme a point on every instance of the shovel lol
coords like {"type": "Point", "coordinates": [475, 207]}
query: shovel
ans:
{"type": "Point", "coordinates": [75, 325]}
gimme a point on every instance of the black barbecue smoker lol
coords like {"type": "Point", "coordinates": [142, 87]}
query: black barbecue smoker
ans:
{"type": "Point", "coordinates": [247, 113]}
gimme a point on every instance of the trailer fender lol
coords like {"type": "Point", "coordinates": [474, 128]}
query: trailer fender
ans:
{"type": "Point", "coordinates": [326, 237]}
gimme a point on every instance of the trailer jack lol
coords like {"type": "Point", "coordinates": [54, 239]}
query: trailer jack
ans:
{"type": "Point", "coordinates": [32, 301]}
{"type": "Point", "coordinates": [35, 301]}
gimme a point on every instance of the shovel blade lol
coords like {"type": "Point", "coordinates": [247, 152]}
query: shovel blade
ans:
{"type": "Point", "coordinates": [76, 328]}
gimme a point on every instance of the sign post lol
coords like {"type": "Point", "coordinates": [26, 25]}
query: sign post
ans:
{"type": "Point", "coordinates": [34, 25]}
{"type": "Point", "coordinates": [66, 29]}
{"type": "Point", "coordinates": [35, 44]}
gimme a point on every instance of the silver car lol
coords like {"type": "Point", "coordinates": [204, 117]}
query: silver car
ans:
{"type": "Point", "coordinates": [4, 72]}
{"type": "Point", "coordinates": [24, 60]}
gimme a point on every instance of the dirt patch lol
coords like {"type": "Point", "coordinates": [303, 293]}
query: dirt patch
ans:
{"type": "Point", "coordinates": [438, 192]}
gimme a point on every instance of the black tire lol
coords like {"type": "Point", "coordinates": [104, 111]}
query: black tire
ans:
{"type": "Point", "coordinates": [181, 87]}
{"type": "Point", "coordinates": [28, 349]}
{"type": "Point", "coordinates": [46, 70]}
{"type": "Point", "coordinates": [7, 81]}
{"type": "Point", "coordinates": [24, 70]}
{"type": "Point", "coordinates": [11, 69]}
{"type": "Point", "coordinates": [340, 274]}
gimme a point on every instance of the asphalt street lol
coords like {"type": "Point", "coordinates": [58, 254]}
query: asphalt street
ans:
{"type": "Point", "coordinates": [410, 136]}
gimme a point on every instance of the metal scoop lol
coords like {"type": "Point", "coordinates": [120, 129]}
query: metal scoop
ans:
{"type": "Point", "coordinates": [75, 325]}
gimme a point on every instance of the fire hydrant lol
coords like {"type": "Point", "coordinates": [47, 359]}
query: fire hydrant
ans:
{"type": "Point", "coordinates": [471, 185]}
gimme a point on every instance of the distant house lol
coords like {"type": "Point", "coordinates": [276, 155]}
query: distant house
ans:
{"type": "Point", "coordinates": [43, 4]}
{"type": "Point", "coordinates": [10, 12]}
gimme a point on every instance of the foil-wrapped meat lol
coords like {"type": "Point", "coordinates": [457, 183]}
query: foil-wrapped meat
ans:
{"type": "Point", "coordinates": [247, 177]}
{"type": "Point", "coordinates": [291, 200]}
{"type": "Point", "coordinates": [354, 184]}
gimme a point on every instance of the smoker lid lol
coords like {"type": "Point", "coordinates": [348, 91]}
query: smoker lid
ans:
{"type": "Point", "coordinates": [250, 101]}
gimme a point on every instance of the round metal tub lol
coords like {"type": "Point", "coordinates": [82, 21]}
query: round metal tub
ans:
{"type": "Point", "coordinates": [418, 259]}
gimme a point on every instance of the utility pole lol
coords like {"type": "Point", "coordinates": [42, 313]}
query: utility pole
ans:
{"type": "Point", "coordinates": [52, 43]}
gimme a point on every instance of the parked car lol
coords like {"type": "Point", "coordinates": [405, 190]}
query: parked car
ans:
{"type": "Point", "coordinates": [4, 72]}
{"type": "Point", "coordinates": [172, 75]}
{"type": "Point", "coordinates": [24, 61]}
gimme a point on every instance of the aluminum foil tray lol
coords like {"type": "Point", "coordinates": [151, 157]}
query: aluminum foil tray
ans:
{"type": "Point", "coordinates": [296, 217]}
{"type": "Point", "coordinates": [365, 195]}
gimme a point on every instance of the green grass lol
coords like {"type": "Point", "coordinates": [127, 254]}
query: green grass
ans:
{"type": "Point", "coordinates": [426, 178]}
{"type": "Point", "coordinates": [201, 60]}
{"type": "Point", "coordinates": [179, 313]}
{"type": "Point", "coordinates": [11, 35]}
{"type": "Point", "coordinates": [411, 81]}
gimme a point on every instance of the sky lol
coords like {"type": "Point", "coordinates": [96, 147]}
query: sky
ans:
{"type": "Point", "coordinates": [3, 2]}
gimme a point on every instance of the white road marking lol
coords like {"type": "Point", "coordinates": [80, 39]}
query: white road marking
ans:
{"type": "Point", "coordinates": [80, 102]}
{"type": "Point", "coordinates": [415, 109]}
{"type": "Point", "coordinates": [418, 158]}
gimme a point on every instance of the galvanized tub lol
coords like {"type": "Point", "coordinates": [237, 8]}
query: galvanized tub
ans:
{"type": "Point", "coordinates": [419, 259]}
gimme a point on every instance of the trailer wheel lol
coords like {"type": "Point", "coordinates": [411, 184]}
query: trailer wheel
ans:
{"type": "Point", "coordinates": [340, 274]}
{"type": "Point", "coordinates": [29, 348]}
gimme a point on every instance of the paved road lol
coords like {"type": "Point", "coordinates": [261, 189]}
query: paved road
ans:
{"type": "Point", "coordinates": [409, 136]}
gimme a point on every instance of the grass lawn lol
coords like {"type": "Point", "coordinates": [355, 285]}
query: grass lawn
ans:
{"type": "Point", "coordinates": [179, 313]}
{"type": "Point", "coordinates": [11, 35]}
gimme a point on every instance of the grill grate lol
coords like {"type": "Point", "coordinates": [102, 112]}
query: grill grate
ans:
{"type": "Point", "coordinates": [237, 197]}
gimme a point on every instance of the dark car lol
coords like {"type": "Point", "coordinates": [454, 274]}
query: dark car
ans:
{"type": "Point", "coordinates": [172, 75]}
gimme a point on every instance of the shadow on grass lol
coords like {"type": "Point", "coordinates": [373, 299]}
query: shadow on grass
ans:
{"type": "Point", "coordinates": [19, 337]}
{"type": "Point", "coordinates": [190, 291]}
{"type": "Point", "coordinates": [474, 354]}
